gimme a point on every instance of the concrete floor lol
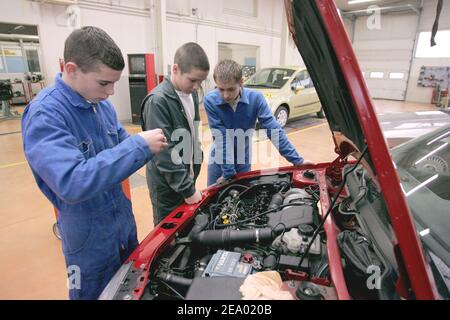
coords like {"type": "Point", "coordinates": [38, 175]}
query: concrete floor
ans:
{"type": "Point", "coordinates": [31, 260]}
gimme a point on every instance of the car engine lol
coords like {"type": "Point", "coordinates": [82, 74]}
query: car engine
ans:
{"type": "Point", "coordinates": [255, 225]}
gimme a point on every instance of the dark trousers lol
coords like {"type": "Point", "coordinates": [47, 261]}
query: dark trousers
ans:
{"type": "Point", "coordinates": [164, 200]}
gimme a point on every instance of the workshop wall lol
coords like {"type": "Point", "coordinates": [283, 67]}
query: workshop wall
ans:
{"type": "Point", "coordinates": [128, 31]}
{"type": "Point", "coordinates": [414, 92]}
{"type": "Point", "coordinates": [131, 35]}
{"type": "Point", "coordinates": [255, 22]}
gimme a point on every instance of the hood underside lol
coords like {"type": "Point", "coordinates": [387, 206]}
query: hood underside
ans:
{"type": "Point", "coordinates": [309, 34]}
{"type": "Point", "coordinates": [323, 43]}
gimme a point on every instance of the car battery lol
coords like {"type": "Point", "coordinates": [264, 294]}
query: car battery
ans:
{"type": "Point", "coordinates": [226, 263]}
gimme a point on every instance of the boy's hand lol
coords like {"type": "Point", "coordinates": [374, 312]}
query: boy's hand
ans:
{"type": "Point", "coordinates": [195, 198]}
{"type": "Point", "coordinates": [222, 181]}
{"type": "Point", "coordinates": [308, 162]}
{"type": "Point", "coordinates": [305, 162]}
{"type": "Point", "coordinates": [156, 140]}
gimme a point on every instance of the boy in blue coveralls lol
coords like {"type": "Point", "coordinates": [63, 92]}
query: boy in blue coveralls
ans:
{"type": "Point", "coordinates": [231, 107]}
{"type": "Point", "coordinates": [79, 154]}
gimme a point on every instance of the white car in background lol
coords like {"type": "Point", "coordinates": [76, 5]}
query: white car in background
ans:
{"type": "Point", "coordinates": [289, 91]}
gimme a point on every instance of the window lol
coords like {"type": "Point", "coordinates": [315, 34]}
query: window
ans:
{"type": "Point", "coordinates": [377, 75]}
{"type": "Point", "coordinates": [262, 76]}
{"type": "Point", "coordinates": [2, 65]}
{"type": "Point", "coordinates": [14, 59]}
{"type": "Point", "coordinates": [33, 60]}
{"type": "Point", "coordinates": [304, 79]}
{"type": "Point", "coordinates": [269, 78]}
{"type": "Point", "coordinates": [440, 50]}
{"type": "Point", "coordinates": [396, 75]}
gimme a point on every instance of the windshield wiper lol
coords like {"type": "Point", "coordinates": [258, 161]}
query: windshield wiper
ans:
{"type": "Point", "coordinates": [261, 85]}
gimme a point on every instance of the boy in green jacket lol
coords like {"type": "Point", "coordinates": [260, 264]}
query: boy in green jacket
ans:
{"type": "Point", "coordinates": [173, 107]}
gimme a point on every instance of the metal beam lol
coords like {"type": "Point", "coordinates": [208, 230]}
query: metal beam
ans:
{"type": "Point", "coordinates": [18, 37]}
{"type": "Point", "coordinates": [402, 8]}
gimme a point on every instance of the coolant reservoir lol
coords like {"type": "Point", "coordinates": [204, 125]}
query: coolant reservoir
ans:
{"type": "Point", "coordinates": [293, 240]}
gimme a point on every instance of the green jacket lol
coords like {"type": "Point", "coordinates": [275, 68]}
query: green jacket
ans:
{"type": "Point", "coordinates": [162, 108]}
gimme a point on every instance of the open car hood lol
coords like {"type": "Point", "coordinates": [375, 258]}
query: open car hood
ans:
{"type": "Point", "coordinates": [321, 38]}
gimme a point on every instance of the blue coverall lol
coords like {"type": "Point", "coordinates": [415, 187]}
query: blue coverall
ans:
{"type": "Point", "coordinates": [79, 155]}
{"type": "Point", "coordinates": [251, 107]}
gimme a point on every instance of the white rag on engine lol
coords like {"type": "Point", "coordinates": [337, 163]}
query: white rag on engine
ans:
{"type": "Point", "coordinates": [264, 285]}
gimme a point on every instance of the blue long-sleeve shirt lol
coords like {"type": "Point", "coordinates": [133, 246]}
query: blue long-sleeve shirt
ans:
{"type": "Point", "coordinates": [225, 124]}
{"type": "Point", "coordinates": [79, 153]}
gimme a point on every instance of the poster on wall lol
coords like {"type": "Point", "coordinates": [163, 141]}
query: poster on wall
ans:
{"type": "Point", "coordinates": [12, 52]}
{"type": "Point", "coordinates": [434, 76]}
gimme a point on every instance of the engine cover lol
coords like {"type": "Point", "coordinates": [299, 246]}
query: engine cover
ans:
{"type": "Point", "coordinates": [291, 217]}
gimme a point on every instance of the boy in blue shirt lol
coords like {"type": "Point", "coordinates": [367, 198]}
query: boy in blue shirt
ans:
{"type": "Point", "coordinates": [232, 110]}
{"type": "Point", "coordinates": [79, 154]}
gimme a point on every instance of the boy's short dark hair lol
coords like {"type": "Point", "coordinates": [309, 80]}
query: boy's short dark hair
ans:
{"type": "Point", "coordinates": [191, 55]}
{"type": "Point", "coordinates": [90, 45]}
{"type": "Point", "coordinates": [227, 71]}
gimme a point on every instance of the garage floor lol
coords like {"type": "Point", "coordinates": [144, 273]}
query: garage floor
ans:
{"type": "Point", "coordinates": [31, 261]}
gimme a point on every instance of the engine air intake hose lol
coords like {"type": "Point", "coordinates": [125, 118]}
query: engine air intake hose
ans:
{"type": "Point", "coordinates": [229, 236]}
{"type": "Point", "coordinates": [174, 279]}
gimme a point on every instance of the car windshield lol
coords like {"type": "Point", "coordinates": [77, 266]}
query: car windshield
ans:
{"type": "Point", "coordinates": [423, 166]}
{"type": "Point", "coordinates": [270, 78]}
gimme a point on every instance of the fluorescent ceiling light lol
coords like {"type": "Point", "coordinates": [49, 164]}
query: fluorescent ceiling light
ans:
{"type": "Point", "coordinates": [359, 1]}
{"type": "Point", "coordinates": [410, 192]}
{"type": "Point", "coordinates": [431, 153]}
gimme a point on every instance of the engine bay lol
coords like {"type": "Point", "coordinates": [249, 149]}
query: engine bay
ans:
{"type": "Point", "coordinates": [314, 234]}
{"type": "Point", "coordinates": [255, 225]}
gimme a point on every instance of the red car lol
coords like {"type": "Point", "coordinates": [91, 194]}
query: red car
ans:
{"type": "Point", "coordinates": [374, 226]}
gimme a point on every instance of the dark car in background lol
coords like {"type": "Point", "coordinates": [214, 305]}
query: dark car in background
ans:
{"type": "Point", "coordinates": [366, 226]}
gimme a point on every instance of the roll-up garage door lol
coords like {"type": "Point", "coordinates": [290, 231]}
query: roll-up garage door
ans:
{"type": "Point", "coordinates": [385, 53]}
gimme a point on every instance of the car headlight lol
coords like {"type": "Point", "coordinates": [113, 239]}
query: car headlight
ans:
{"type": "Point", "coordinates": [268, 96]}
{"type": "Point", "coordinates": [269, 100]}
